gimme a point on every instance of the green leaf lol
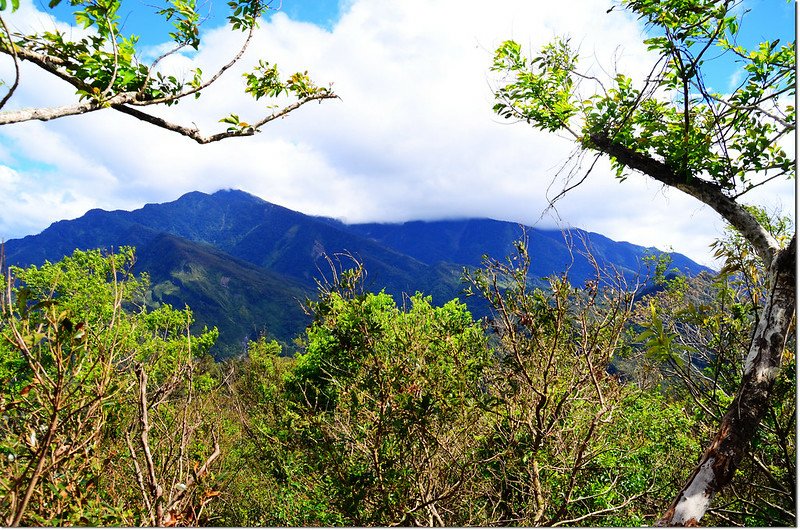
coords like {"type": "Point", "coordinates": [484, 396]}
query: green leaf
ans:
{"type": "Point", "coordinates": [232, 119]}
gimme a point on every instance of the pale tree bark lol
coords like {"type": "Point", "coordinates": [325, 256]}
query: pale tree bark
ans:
{"type": "Point", "coordinates": [53, 113]}
{"type": "Point", "coordinates": [194, 133]}
{"type": "Point", "coordinates": [723, 454]}
{"type": "Point", "coordinates": [165, 505]}
{"type": "Point", "coordinates": [704, 191]}
{"type": "Point", "coordinates": [737, 428]}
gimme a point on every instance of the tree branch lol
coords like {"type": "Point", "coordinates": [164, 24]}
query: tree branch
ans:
{"type": "Point", "coordinates": [52, 113]}
{"type": "Point", "coordinates": [754, 107]}
{"type": "Point", "coordinates": [138, 471]}
{"type": "Point", "coordinates": [704, 191]}
{"type": "Point", "coordinates": [16, 64]}
{"type": "Point", "coordinates": [144, 439]}
{"type": "Point", "coordinates": [202, 86]}
{"type": "Point", "coordinates": [49, 63]}
{"type": "Point", "coordinates": [194, 132]}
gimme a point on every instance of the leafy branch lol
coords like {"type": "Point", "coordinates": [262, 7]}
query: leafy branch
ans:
{"type": "Point", "coordinates": [105, 71]}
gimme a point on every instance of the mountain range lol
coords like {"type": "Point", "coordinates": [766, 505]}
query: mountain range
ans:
{"type": "Point", "coordinates": [246, 265]}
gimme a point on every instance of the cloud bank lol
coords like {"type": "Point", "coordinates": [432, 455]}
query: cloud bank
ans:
{"type": "Point", "coordinates": [413, 136]}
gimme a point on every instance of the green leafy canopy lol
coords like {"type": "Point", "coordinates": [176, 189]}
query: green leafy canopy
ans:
{"type": "Point", "coordinates": [733, 140]}
{"type": "Point", "coordinates": [107, 69]}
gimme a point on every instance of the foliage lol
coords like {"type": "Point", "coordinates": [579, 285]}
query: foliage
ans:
{"type": "Point", "coordinates": [409, 414]}
{"type": "Point", "coordinates": [59, 386]}
{"type": "Point", "coordinates": [715, 147]}
{"type": "Point", "coordinates": [170, 434]}
{"type": "Point", "coordinates": [741, 265]}
{"type": "Point", "coordinates": [568, 441]}
{"type": "Point", "coordinates": [733, 140]}
{"type": "Point", "coordinates": [75, 358]}
{"type": "Point", "coordinates": [406, 415]}
{"type": "Point", "coordinates": [694, 340]}
{"type": "Point", "coordinates": [106, 69]}
{"type": "Point", "coordinates": [387, 404]}
{"type": "Point", "coordinates": [268, 482]}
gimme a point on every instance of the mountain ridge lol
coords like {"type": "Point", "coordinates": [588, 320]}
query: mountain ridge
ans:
{"type": "Point", "coordinates": [248, 263]}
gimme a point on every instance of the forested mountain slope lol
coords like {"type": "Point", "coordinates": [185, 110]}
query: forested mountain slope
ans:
{"type": "Point", "coordinates": [246, 265]}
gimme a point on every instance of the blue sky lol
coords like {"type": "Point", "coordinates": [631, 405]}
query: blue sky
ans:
{"type": "Point", "coordinates": [768, 19]}
{"type": "Point", "coordinates": [764, 20]}
{"type": "Point", "coordinates": [138, 15]}
{"type": "Point", "coordinates": [321, 12]}
{"type": "Point", "coordinates": [413, 136]}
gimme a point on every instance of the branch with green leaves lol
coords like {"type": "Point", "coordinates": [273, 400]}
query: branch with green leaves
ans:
{"type": "Point", "coordinates": [715, 147]}
{"type": "Point", "coordinates": [105, 69]}
{"type": "Point", "coordinates": [733, 142]}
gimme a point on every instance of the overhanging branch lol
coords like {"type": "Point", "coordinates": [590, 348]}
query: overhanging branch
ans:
{"type": "Point", "coordinates": [52, 113]}
{"type": "Point", "coordinates": [706, 192]}
{"type": "Point", "coordinates": [194, 132]}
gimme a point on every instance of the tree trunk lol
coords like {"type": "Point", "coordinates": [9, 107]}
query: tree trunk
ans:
{"type": "Point", "coordinates": [737, 428]}
{"type": "Point", "coordinates": [720, 460]}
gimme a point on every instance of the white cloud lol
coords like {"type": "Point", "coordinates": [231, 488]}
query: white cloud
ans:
{"type": "Point", "coordinates": [28, 207]}
{"type": "Point", "coordinates": [8, 179]}
{"type": "Point", "coordinates": [413, 135]}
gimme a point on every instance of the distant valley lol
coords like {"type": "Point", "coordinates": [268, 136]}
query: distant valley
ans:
{"type": "Point", "coordinates": [246, 265]}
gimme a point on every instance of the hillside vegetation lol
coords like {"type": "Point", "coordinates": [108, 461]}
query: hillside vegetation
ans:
{"type": "Point", "coordinates": [386, 375]}
{"type": "Point", "coordinates": [395, 411]}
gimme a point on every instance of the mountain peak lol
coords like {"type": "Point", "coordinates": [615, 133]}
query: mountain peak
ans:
{"type": "Point", "coordinates": [232, 193]}
{"type": "Point", "coordinates": [231, 253]}
{"type": "Point", "coordinates": [221, 195]}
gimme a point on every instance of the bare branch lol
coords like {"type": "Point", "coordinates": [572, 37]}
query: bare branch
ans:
{"type": "Point", "coordinates": [211, 80]}
{"type": "Point", "coordinates": [41, 458]}
{"type": "Point", "coordinates": [194, 132]}
{"type": "Point", "coordinates": [788, 126]}
{"type": "Point", "coordinates": [156, 491]}
{"type": "Point", "coordinates": [598, 512]}
{"type": "Point", "coordinates": [115, 49]}
{"type": "Point", "coordinates": [138, 472]}
{"type": "Point", "coordinates": [15, 57]}
{"type": "Point", "coordinates": [551, 202]}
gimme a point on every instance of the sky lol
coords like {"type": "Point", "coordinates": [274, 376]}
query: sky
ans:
{"type": "Point", "coordinates": [412, 136]}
